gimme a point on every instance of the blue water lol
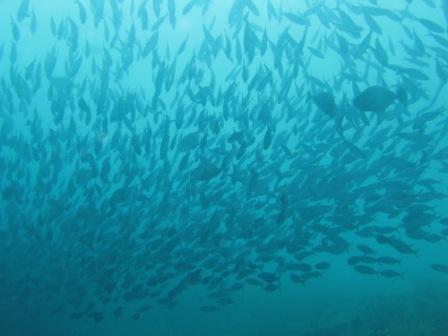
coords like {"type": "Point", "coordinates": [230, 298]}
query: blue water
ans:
{"type": "Point", "coordinates": [241, 167]}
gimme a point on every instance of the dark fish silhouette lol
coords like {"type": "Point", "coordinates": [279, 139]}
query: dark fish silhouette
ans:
{"type": "Point", "coordinates": [442, 268]}
{"type": "Point", "coordinates": [325, 102]}
{"type": "Point", "coordinates": [376, 99]}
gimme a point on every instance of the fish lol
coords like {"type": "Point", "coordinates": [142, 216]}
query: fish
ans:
{"type": "Point", "coordinates": [391, 274]}
{"type": "Point", "coordinates": [268, 277]}
{"type": "Point", "coordinates": [172, 13]}
{"type": "Point", "coordinates": [365, 249]}
{"type": "Point", "coordinates": [325, 102]}
{"type": "Point", "coordinates": [297, 278]}
{"type": "Point", "coordinates": [323, 265]}
{"type": "Point", "coordinates": [23, 9]}
{"type": "Point", "coordinates": [388, 260]}
{"type": "Point", "coordinates": [376, 99]}
{"type": "Point", "coordinates": [431, 25]}
{"type": "Point", "coordinates": [82, 12]}
{"type": "Point", "coordinates": [441, 268]}
{"type": "Point", "coordinates": [209, 309]}
{"type": "Point", "coordinates": [364, 269]}
{"type": "Point", "coordinates": [270, 287]}
{"type": "Point", "coordinates": [398, 245]}
{"type": "Point", "coordinates": [297, 19]}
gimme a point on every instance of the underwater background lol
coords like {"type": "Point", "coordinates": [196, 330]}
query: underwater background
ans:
{"type": "Point", "coordinates": [226, 167]}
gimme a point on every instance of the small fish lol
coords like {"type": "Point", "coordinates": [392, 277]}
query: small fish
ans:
{"type": "Point", "coordinates": [300, 20]}
{"type": "Point", "coordinates": [388, 260]}
{"type": "Point", "coordinates": [442, 268]}
{"type": "Point", "coordinates": [325, 102]}
{"type": "Point", "coordinates": [431, 25]}
{"type": "Point", "coordinates": [391, 274]}
{"type": "Point", "coordinates": [268, 276]}
{"type": "Point", "coordinates": [365, 249]}
{"type": "Point", "coordinates": [22, 12]}
{"type": "Point", "coordinates": [297, 278]}
{"type": "Point", "coordinates": [323, 265]}
{"type": "Point", "coordinates": [270, 287]}
{"type": "Point", "coordinates": [209, 309]}
{"type": "Point", "coordinates": [364, 269]}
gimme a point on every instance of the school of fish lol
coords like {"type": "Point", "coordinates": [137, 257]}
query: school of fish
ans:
{"type": "Point", "coordinates": [134, 167]}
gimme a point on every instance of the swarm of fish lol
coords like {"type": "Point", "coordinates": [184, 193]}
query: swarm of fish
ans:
{"type": "Point", "coordinates": [134, 166]}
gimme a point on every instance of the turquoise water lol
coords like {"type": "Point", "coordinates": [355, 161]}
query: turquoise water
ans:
{"type": "Point", "coordinates": [241, 167]}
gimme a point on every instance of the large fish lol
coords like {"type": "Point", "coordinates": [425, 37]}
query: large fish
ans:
{"type": "Point", "coordinates": [377, 99]}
